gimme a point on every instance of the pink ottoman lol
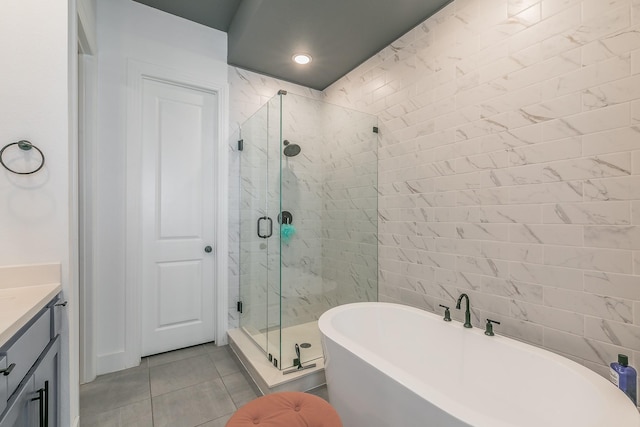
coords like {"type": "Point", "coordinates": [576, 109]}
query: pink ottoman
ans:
{"type": "Point", "coordinates": [286, 409]}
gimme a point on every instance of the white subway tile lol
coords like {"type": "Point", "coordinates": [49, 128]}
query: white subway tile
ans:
{"type": "Point", "coordinates": [602, 25]}
{"type": "Point", "coordinates": [485, 196]}
{"type": "Point", "coordinates": [547, 193]}
{"type": "Point", "coordinates": [635, 62]}
{"type": "Point", "coordinates": [545, 152]}
{"type": "Point", "coordinates": [539, 72]}
{"type": "Point", "coordinates": [458, 149]}
{"type": "Point", "coordinates": [635, 113]}
{"type": "Point", "coordinates": [636, 162]}
{"type": "Point", "coordinates": [635, 212]}
{"type": "Point", "coordinates": [457, 278]}
{"type": "Point", "coordinates": [594, 9]}
{"type": "Point", "coordinates": [614, 261]}
{"type": "Point", "coordinates": [559, 277]}
{"type": "Point", "coordinates": [494, 160]}
{"type": "Point", "coordinates": [596, 167]}
{"type": "Point", "coordinates": [516, 6]}
{"type": "Point", "coordinates": [615, 333]}
{"type": "Point", "coordinates": [436, 259]}
{"type": "Point", "coordinates": [612, 213]}
{"type": "Point", "coordinates": [512, 252]}
{"type": "Point", "coordinates": [498, 232]}
{"type": "Point", "coordinates": [603, 307]}
{"type": "Point", "coordinates": [612, 236]}
{"type": "Point", "coordinates": [570, 235]}
{"type": "Point", "coordinates": [435, 229]}
{"type": "Point", "coordinates": [581, 347]}
{"type": "Point", "coordinates": [510, 214]}
{"type": "Point", "coordinates": [611, 141]}
{"type": "Point", "coordinates": [547, 316]}
{"type": "Point", "coordinates": [553, 7]}
{"type": "Point", "coordinates": [511, 101]}
{"type": "Point", "coordinates": [456, 118]}
{"type": "Point", "coordinates": [477, 94]}
{"type": "Point", "coordinates": [620, 188]}
{"type": "Point", "coordinates": [457, 182]}
{"type": "Point", "coordinates": [616, 44]}
{"type": "Point", "coordinates": [499, 68]}
{"type": "Point", "coordinates": [574, 81]}
{"type": "Point", "coordinates": [459, 246]}
{"type": "Point", "coordinates": [617, 92]}
{"type": "Point", "coordinates": [547, 110]}
{"type": "Point", "coordinates": [519, 137]}
{"type": "Point", "coordinates": [552, 23]}
{"type": "Point", "coordinates": [483, 266]}
{"type": "Point", "coordinates": [588, 122]}
{"type": "Point", "coordinates": [511, 289]}
{"type": "Point", "coordinates": [614, 285]}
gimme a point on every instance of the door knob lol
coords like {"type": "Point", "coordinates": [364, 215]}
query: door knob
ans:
{"type": "Point", "coordinates": [208, 249]}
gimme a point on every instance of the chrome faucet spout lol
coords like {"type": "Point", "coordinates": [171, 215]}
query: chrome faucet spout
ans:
{"type": "Point", "coordinates": [467, 312]}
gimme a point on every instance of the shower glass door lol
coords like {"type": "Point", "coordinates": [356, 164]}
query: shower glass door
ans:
{"type": "Point", "coordinates": [308, 222]}
{"type": "Point", "coordinates": [259, 243]}
{"type": "Point", "coordinates": [328, 247]}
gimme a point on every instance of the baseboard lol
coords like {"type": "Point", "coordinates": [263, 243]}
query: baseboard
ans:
{"type": "Point", "coordinates": [112, 362]}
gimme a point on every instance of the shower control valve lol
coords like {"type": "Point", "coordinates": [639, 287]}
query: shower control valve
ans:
{"type": "Point", "coordinates": [447, 313]}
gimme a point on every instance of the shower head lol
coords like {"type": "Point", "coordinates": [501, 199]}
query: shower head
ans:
{"type": "Point", "coordinates": [291, 150]}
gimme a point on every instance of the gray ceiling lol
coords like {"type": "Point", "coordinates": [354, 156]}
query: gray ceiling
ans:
{"type": "Point", "coordinates": [339, 34]}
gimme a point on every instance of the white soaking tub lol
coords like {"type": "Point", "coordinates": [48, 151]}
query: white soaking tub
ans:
{"type": "Point", "coordinates": [390, 365]}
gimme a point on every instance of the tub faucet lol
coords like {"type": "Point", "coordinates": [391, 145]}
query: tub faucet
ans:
{"type": "Point", "coordinates": [467, 312]}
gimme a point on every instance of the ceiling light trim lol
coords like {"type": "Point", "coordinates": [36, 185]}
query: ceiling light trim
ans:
{"type": "Point", "coordinates": [302, 58]}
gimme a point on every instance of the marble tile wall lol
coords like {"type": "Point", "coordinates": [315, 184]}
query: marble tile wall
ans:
{"type": "Point", "coordinates": [509, 169]}
{"type": "Point", "coordinates": [349, 214]}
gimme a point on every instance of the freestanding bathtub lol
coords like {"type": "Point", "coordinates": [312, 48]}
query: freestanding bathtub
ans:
{"type": "Point", "coordinates": [389, 365]}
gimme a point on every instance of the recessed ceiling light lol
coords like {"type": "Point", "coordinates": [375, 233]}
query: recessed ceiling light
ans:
{"type": "Point", "coordinates": [301, 58]}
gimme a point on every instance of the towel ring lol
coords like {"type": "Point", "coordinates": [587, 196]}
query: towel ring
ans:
{"type": "Point", "coordinates": [25, 146]}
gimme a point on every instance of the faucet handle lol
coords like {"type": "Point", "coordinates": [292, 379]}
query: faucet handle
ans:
{"type": "Point", "coordinates": [489, 327]}
{"type": "Point", "coordinates": [447, 313]}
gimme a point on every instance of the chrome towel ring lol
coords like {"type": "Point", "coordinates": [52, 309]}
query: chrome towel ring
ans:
{"type": "Point", "coordinates": [25, 146]}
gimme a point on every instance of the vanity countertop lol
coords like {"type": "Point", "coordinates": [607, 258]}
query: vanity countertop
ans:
{"type": "Point", "coordinates": [24, 291]}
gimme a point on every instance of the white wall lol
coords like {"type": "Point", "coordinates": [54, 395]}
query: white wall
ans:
{"type": "Point", "coordinates": [509, 169]}
{"type": "Point", "coordinates": [37, 46]}
{"type": "Point", "coordinates": [129, 30]}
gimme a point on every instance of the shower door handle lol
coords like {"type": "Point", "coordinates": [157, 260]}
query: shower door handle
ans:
{"type": "Point", "coordinates": [270, 228]}
{"type": "Point", "coordinates": [265, 236]}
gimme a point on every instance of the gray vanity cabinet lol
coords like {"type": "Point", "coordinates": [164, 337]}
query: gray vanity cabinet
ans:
{"type": "Point", "coordinates": [4, 394]}
{"type": "Point", "coordinates": [32, 385]}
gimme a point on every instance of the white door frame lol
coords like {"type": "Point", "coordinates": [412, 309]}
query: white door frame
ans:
{"type": "Point", "coordinates": [136, 72]}
{"type": "Point", "coordinates": [86, 186]}
{"type": "Point", "coordinates": [87, 219]}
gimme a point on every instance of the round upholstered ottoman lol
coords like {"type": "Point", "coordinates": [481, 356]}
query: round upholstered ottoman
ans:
{"type": "Point", "coordinates": [286, 409]}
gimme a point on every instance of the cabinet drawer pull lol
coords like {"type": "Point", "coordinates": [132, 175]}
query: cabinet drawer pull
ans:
{"type": "Point", "coordinates": [42, 405]}
{"type": "Point", "coordinates": [7, 371]}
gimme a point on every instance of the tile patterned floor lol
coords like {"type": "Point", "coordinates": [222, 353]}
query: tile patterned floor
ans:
{"type": "Point", "coordinates": [199, 386]}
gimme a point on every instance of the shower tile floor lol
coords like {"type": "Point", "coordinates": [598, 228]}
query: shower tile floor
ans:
{"type": "Point", "coordinates": [200, 386]}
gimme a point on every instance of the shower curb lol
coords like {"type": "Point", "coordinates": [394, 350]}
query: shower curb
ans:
{"type": "Point", "coordinates": [267, 378]}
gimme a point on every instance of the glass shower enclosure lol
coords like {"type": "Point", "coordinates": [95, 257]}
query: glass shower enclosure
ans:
{"type": "Point", "coordinates": [308, 221]}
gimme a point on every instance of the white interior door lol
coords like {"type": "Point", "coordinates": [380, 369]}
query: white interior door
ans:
{"type": "Point", "coordinates": [178, 193]}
